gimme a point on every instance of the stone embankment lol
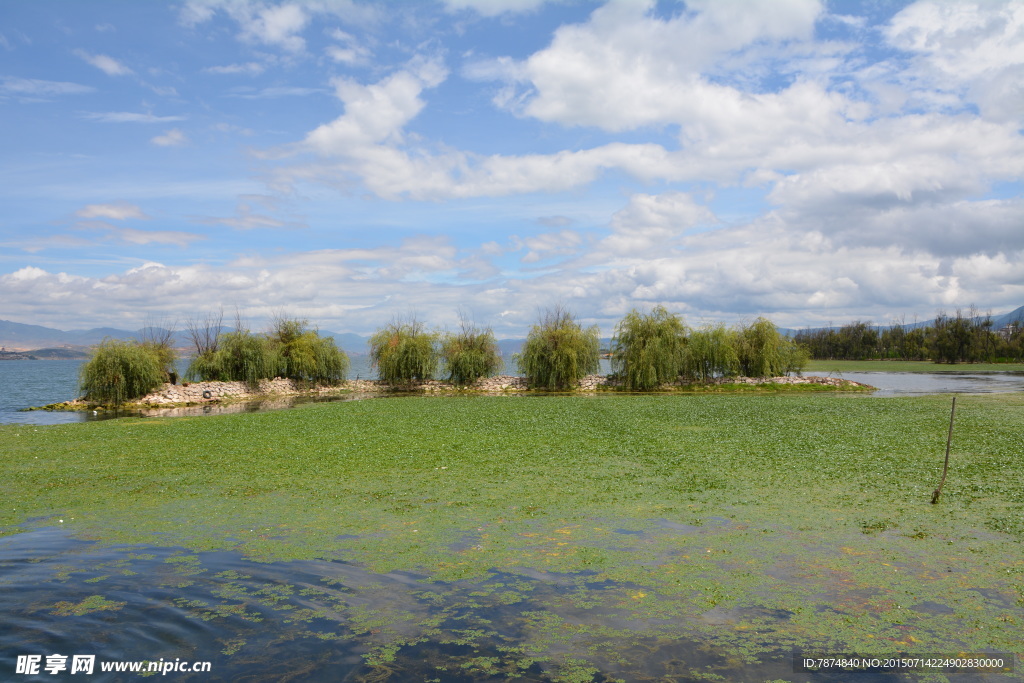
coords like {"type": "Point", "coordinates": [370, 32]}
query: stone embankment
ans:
{"type": "Point", "coordinates": [207, 392]}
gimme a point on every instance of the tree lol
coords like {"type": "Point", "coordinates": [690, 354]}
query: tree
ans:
{"type": "Point", "coordinates": [558, 352]}
{"type": "Point", "coordinates": [711, 353]}
{"type": "Point", "coordinates": [119, 371]}
{"type": "Point", "coordinates": [303, 355]}
{"type": "Point", "coordinates": [246, 357]}
{"type": "Point", "coordinates": [470, 354]}
{"type": "Point", "coordinates": [159, 340]}
{"type": "Point", "coordinates": [404, 352]}
{"type": "Point", "coordinates": [648, 350]}
{"type": "Point", "coordinates": [761, 350]}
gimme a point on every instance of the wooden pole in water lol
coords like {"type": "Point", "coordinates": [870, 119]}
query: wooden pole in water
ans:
{"type": "Point", "coordinates": [945, 466]}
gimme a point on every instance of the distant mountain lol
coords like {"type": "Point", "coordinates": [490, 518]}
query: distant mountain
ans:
{"type": "Point", "coordinates": [1002, 321]}
{"type": "Point", "coordinates": [998, 322]}
{"type": "Point", "coordinates": [22, 337]}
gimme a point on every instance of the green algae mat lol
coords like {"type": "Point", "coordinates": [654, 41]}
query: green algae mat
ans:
{"type": "Point", "coordinates": [556, 538]}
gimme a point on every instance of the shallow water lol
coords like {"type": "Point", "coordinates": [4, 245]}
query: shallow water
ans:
{"type": "Point", "coordinates": [336, 621]}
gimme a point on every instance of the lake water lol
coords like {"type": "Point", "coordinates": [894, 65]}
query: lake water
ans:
{"type": "Point", "coordinates": [24, 384]}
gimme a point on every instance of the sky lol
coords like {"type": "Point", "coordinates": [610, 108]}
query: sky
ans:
{"type": "Point", "coordinates": [355, 163]}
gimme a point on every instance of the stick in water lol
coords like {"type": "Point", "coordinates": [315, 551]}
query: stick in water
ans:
{"type": "Point", "coordinates": [945, 466]}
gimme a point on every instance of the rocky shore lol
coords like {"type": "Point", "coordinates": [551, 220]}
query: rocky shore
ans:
{"type": "Point", "coordinates": [202, 393]}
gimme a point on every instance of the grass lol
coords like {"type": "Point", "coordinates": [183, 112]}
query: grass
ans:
{"type": "Point", "coordinates": [820, 367]}
{"type": "Point", "coordinates": [753, 523]}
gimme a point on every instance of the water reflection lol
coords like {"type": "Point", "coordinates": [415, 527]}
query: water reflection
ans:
{"type": "Point", "coordinates": [917, 383]}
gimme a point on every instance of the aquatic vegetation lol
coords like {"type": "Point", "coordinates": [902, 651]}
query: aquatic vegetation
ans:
{"type": "Point", "coordinates": [558, 537]}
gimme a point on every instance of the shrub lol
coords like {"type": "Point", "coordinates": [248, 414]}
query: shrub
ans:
{"type": "Point", "coordinates": [470, 354]}
{"type": "Point", "coordinates": [711, 353]}
{"type": "Point", "coordinates": [404, 352]}
{"type": "Point", "coordinates": [558, 352]}
{"type": "Point", "coordinates": [649, 349]}
{"type": "Point", "coordinates": [120, 371]}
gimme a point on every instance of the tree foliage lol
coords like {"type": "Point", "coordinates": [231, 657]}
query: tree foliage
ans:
{"type": "Point", "coordinates": [120, 371]}
{"type": "Point", "coordinates": [764, 352]}
{"type": "Point", "coordinates": [303, 355]}
{"type": "Point", "coordinates": [958, 338]}
{"type": "Point", "coordinates": [404, 352]}
{"type": "Point", "coordinates": [649, 349]}
{"type": "Point", "coordinates": [711, 353]}
{"type": "Point", "coordinates": [289, 350]}
{"type": "Point", "coordinates": [558, 352]}
{"type": "Point", "coordinates": [470, 354]}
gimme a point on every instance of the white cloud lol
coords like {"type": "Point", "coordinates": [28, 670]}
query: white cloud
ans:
{"type": "Point", "coordinates": [141, 237]}
{"type": "Point", "coordinates": [277, 24]}
{"type": "Point", "coordinates": [375, 113]}
{"type": "Point", "coordinates": [491, 8]}
{"type": "Point", "coordinates": [130, 117]}
{"type": "Point", "coordinates": [275, 92]}
{"type": "Point", "coordinates": [119, 211]}
{"type": "Point", "coordinates": [652, 225]}
{"type": "Point", "coordinates": [548, 245]}
{"type": "Point", "coordinates": [627, 68]}
{"type": "Point", "coordinates": [975, 47]}
{"type": "Point", "coordinates": [107, 65]}
{"type": "Point", "coordinates": [33, 87]}
{"type": "Point", "coordinates": [248, 68]}
{"type": "Point", "coordinates": [172, 138]}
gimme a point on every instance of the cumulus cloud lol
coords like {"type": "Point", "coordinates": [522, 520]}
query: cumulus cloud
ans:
{"type": "Point", "coordinates": [653, 224]}
{"type": "Point", "coordinates": [104, 63]}
{"type": "Point", "coordinates": [276, 25]}
{"type": "Point", "coordinates": [648, 67]}
{"type": "Point", "coordinates": [974, 46]}
{"type": "Point", "coordinates": [552, 244]}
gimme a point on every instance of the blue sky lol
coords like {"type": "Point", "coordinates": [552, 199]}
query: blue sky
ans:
{"type": "Point", "coordinates": [352, 162]}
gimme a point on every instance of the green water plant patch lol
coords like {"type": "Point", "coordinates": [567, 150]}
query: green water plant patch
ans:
{"type": "Point", "coordinates": [574, 533]}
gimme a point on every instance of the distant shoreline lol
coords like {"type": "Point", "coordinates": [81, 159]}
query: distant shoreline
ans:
{"type": "Point", "coordinates": [44, 354]}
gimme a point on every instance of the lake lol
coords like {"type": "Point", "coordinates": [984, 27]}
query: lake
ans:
{"type": "Point", "coordinates": [24, 384]}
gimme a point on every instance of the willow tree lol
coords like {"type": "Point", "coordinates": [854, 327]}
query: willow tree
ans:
{"type": "Point", "coordinates": [469, 354]}
{"type": "Point", "coordinates": [711, 353]}
{"type": "Point", "coordinates": [764, 352]}
{"type": "Point", "coordinates": [303, 355]}
{"type": "Point", "coordinates": [243, 356]}
{"type": "Point", "coordinates": [648, 350]}
{"type": "Point", "coordinates": [558, 352]}
{"type": "Point", "coordinates": [404, 352]}
{"type": "Point", "coordinates": [119, 371]}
